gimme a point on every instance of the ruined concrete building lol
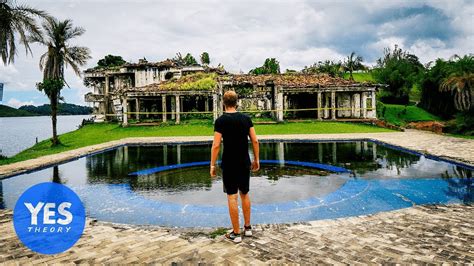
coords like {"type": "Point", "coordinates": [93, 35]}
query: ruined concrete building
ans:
{"type": "Point", "coordinates": [164, 91]}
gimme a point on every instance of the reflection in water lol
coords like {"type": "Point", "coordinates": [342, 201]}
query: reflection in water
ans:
{"type": "Point", "coordinates": [461, 184]}
{"type": "Point", "coordinates": [274, 182]}
{"type": "Point", "coordinates": [366, 159]}
{"type": "Point", "coordinates": [56, 177]}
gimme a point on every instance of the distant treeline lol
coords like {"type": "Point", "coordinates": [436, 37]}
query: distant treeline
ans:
{"type": "Point", "coordinates": [45, 109]}
{"type": "Point", "coordinates": [63, 109]}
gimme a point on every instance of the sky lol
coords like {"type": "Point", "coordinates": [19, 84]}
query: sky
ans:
{"type": "Point", "coordinates": [241, 34]}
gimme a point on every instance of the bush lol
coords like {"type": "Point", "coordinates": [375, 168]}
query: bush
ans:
{"type": "Point", "coordinates": [463, 124]}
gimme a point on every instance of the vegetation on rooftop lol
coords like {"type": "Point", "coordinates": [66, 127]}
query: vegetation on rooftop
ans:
{"type": "Point", "coordinates": [197, 81]}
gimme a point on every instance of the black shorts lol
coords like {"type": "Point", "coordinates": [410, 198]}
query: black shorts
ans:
{"type": "Point", "coordinates": [236, 180]}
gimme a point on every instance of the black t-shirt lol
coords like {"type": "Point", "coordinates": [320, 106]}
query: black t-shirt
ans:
{"type": "Point", "coordinates": [234, 128]}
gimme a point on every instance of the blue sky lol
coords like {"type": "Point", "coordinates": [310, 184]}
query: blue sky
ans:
{"type": "Point", "coordinates": [241, 34]}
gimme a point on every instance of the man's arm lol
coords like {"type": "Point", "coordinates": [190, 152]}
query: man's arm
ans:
{"type": "Point", "coordinates": [216, 146]}
{"type": "Point", "coordinates": [256, 150]}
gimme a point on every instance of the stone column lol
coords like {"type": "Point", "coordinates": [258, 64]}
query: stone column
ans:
{"type": "Point", "coordinates": [163, 107]}
{"type": "Point", "coordinates": [279, 105]}
{"type": "Point", "coordinates": [353, 106]}
{"type": "Point", "coordinates": [206, 104]}
{"type": "Point", "coordinates": [220, 104]}
{"type": "Point", "coordinates": [173, 109]}
{"type": "Point", "coordinates": [178, 109]}
{"type": "Point", "coordinates": [374, 105]}
{"type": "Point", "coordinates": [318, 105]}
{"type": "Point", "coordinates": [356, 101]}
{"type": "Point", "coordinates": [219, 101]}
{"type": "Point", "coordinates": [137, 108]}
{"type": "Point", "coordinates": [124, 112]}
{"type": "Point", "coordinates": [363, 104]}
{"type": "Point", "coordinates": [106, 97]}
{"type": "Point", "coordinates": [326, 105]}
{"type": "Point", "coordinates": [333, 105]}
{"type": "Point", "coordinates": [215, 112]}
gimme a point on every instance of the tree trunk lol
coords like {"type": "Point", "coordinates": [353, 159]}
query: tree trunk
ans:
{"type": "Point", "coordinates": [54, 112]}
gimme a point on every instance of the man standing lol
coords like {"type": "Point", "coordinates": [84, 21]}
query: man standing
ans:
{"type": "Point", "coordinates": [235, 128]}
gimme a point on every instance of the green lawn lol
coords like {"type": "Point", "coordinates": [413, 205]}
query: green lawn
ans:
{"type": "Point", "coordinates": [361, 77]}
{"type": "Point", "coordinates": [99, 133]}
{"type": "Point", "coordinates": [400, 114]}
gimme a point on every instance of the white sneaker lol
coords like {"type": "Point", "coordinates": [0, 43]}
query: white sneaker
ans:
{"type": "Point", "coordinates": [248, 230]}
{"type": "Point", "coordinates": [236, 238]}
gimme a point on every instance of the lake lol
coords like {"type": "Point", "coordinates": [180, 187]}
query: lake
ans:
{"type": "Point", "coordinates": [19, 133]}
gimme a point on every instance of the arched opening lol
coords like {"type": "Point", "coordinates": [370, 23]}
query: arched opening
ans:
{"type": "Point", "coordinates": [169, 75]}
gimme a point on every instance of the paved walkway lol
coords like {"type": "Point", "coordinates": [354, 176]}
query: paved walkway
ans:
{"type": "Point", "coordinates": [415, 235]}
{"type": "Point", "coordinates": [422, 234]}
{"type": "Point", "coordinates": [426, 142]}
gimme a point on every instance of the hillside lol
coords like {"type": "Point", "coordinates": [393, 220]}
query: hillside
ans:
{"type": "Point", "coordinates": [63, 109]}
{"type": "Point", "coordinates": [30, 110]}
{"type": "Point", "coordinates": [7, 111]}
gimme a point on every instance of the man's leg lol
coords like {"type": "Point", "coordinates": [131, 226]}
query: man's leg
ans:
{"type": "Point", "coordinates": [234, 211]}
{"type": "Point", "coordinates": [246, 207]}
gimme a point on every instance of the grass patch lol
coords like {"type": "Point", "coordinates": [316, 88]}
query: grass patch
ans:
{"type": "Point", "coordinates": [361, 77]}
{"type": "Point", "coordinates": [218, 232]}
{"type": "Point", "coordinates": [401, 115]}
{"type": "Point", "coordinates": [99, 133]}
{"type": "Point", "coordinates": [415, 94]}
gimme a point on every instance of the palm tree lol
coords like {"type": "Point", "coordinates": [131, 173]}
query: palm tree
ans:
{"type": "Point", "coordinates": [17, 21]}
{"type": "Point", "coordinates": [460, 82]}
{"type": "Point", "coordinates": [353, 62]}
{"type": "Point", "coordinates": [60, 54]}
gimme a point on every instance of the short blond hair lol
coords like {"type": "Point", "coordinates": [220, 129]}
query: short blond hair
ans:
{"type": "Point", "coordinates": [230, 99]}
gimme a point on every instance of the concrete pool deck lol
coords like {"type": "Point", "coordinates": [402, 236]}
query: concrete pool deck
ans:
{"type": "Point", "coordinates": [420, 234]}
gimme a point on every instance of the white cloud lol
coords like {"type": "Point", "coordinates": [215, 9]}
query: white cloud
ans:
{"type": "Point", "coordinates": [241, 34]}
{"type": "Point", "coordinates": [16, 103]}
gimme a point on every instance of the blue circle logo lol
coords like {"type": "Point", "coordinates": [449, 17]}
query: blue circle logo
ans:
{"type": "Point", "coordinates": [49, 218]}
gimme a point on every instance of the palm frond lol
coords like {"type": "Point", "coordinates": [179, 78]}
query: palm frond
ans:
{"type": "Point", "coordinates": [24, 9]}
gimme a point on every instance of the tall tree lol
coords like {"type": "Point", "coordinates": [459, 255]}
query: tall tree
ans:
{"type": "Point", "coordinates": [400, 70]}
{"type": "Point", "coordinates": [187, 60]}
{"type": "Point", "coordinates": [270, 66]}
{"type": "Point", "coordinates": [110, 61]}
{"type": "Point", "coordinates": [17, 21]}
{"type": "Point", "coordinates": [353, 62]}
{"type": "Point", "coordinates": [60, 53]}
{"type": "Point", "coordinates": [205, 60]}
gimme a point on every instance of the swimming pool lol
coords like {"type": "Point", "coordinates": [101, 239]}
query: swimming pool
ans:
{"type": "Point", "coordinates": [169, 185]}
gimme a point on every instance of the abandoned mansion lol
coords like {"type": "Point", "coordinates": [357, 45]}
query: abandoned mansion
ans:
{"type": "Point", "coordinates": [164, 91]}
